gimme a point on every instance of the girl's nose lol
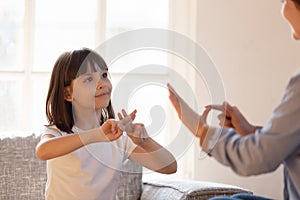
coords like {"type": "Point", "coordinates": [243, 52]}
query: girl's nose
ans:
{"type": "Point", "coordinates": [100, 84]}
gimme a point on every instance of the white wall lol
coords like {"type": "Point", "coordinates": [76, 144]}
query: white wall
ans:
{"type": "Point", "coordinates": [252, 48]}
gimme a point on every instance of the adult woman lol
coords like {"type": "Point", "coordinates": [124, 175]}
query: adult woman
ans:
{"type": "Point", "coordinates": [249, 149]}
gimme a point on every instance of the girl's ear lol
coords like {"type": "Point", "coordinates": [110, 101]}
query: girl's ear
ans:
{"type": "Point", "coordinates": [68, 93]}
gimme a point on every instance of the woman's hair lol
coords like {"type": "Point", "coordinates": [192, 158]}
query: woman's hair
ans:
{"type": "Point", "coordinates": [297, 3]}
{"type": "Point", "coordinates": [67, 67]}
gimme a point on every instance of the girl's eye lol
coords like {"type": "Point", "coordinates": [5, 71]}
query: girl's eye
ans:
{"type": "Point", "coordinates": [89, 79]}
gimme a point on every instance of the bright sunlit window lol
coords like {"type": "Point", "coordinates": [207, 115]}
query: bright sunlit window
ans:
{"type": "Point", "coordinates": [62, 25]}
{"type": "Point", "coordinates": [33, 33]}
{"type": "Point", "coordinates": [148, 97]}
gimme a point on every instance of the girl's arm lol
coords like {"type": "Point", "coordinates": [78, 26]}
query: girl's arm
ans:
{"type": "Point", "coordinates": [152, 155]}
{"type": "Point", "coordinates": [148, 152]}
{"type": "Point", "coordinates": [51, 147]}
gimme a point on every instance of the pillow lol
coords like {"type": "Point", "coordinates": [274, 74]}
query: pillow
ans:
{"type": "Point", "coordinates": [130, 185]}
{"type": "Point", "coordinates": [22, 174]}
{"type": "Point", "coordinates": [187, 189]}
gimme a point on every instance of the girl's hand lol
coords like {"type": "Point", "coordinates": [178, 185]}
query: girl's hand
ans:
{"type": "Point", "coordinates": [126, 120]}
{"type": "Point", "coordinates": [231, 117]}
{"type": "Point", "coordinates": [111, 130]}
{"type": "Point", "coordinates": [136, 132]}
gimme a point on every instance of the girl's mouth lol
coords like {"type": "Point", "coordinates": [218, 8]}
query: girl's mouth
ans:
{"type": "Point", "coordinates": [102, 94]}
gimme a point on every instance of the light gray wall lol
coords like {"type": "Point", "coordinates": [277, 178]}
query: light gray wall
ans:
{"type": "Point", "coordinates": [252, 48]}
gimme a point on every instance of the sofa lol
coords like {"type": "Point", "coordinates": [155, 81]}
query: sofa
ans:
{"type": "Point", "coordinates": [23, 177]}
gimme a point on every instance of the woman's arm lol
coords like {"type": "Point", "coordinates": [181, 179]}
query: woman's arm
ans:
{"type": "Point", "coordinates": [193, 121]}
{"type": "Point", "coordinates": [256, 153]}
{"type": "Point", "coordinates": [51, 147]}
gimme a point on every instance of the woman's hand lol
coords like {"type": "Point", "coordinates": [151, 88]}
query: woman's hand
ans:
{"type": "Point", "coordinates": [136, 132]}
{"type": "Point", "coordinates": [231, 117]}
{"type": "Point", "coordinates": [194, 122]}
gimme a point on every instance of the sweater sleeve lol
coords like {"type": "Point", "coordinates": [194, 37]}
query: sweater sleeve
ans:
{"type": "Point", "coordinates": [268, 147]}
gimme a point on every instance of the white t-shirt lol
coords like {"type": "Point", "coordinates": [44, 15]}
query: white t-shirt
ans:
{"type": "Point", "coordinates": [91, 172]}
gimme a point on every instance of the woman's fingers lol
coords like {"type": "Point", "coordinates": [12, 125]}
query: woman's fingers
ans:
{"type": "Point", "coordinates": [216, 107]}
{"type": "Point", "coordinates": [205, 114]}
{"type": "Point", "coordinates": [174, 97]}
{"type": "Point", "coordinates": [225, 108]}
{"type": "Point", "coordinates": [178, 103]}
{"type": "Point", "coordinates": [224, 121]}
{"type": "Point", "coordinates": [171, 89]}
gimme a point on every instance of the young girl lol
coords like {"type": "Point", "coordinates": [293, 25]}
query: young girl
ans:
{"type": "Point", "coordinates": [83, 145]}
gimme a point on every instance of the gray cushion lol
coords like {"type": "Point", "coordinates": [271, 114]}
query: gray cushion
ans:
{"type": "Point", "coordinates": [22, 174]}
{"type": "Point", "coordinates": [187, 189]}
{"type": "Point", "coordinates": [130, 186]}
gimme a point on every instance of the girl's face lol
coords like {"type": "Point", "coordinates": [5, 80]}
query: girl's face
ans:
{"type": "Point", "coordinates": [91, 90]}
{"type": "Point", "coordinates": [292, 14]}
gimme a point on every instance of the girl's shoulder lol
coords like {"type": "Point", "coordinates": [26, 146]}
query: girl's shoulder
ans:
{"type": "Point", "coordinates": [294, 83]}
{"type": "Point", "coordinates": [53, 130]}
{"type": "Point", "coordinates": [295, 77]}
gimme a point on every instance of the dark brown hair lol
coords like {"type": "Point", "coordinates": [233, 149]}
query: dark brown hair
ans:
{"type": "Point", "coordinates": [297, 3]}
{"type": "Point", "coordinates": [67, 67]}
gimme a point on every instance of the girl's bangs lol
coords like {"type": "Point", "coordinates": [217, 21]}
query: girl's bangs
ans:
{"type": "Point", "coordinates": [80, 60]}
{"type": "Point", "coordinates": [91, 63]}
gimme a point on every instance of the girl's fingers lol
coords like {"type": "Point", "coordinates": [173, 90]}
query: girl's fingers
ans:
{"type": "Point", "coordinates": [124, 122]}
{"type": "Point", "coordinates": [118, 134]}
{"type": "Point", "coordinates": [120, 116]}
{"type": "Point", "coordinates": [124, 113]}
{"type": "Point", "coordinates": [113, 127]}
{"type": "Point", "coordinates": [125, 119]}
{"type": "Point", "coordinates": [133, 114]}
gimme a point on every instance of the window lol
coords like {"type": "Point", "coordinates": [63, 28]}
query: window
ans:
{"type": "Point", "coordinates": [35, 32]}
{"type": "Point", "coordinates": [143, 90]}
{"type": "Point", "coordinates": [72, 26]}
{"type": "Point", "coordinates": [11, 60]}
{"type": "Point", "coordinates": [11, 32]}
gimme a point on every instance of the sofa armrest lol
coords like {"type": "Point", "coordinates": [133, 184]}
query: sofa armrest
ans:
{"type": "Point", "coordinates": [186, 189]}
